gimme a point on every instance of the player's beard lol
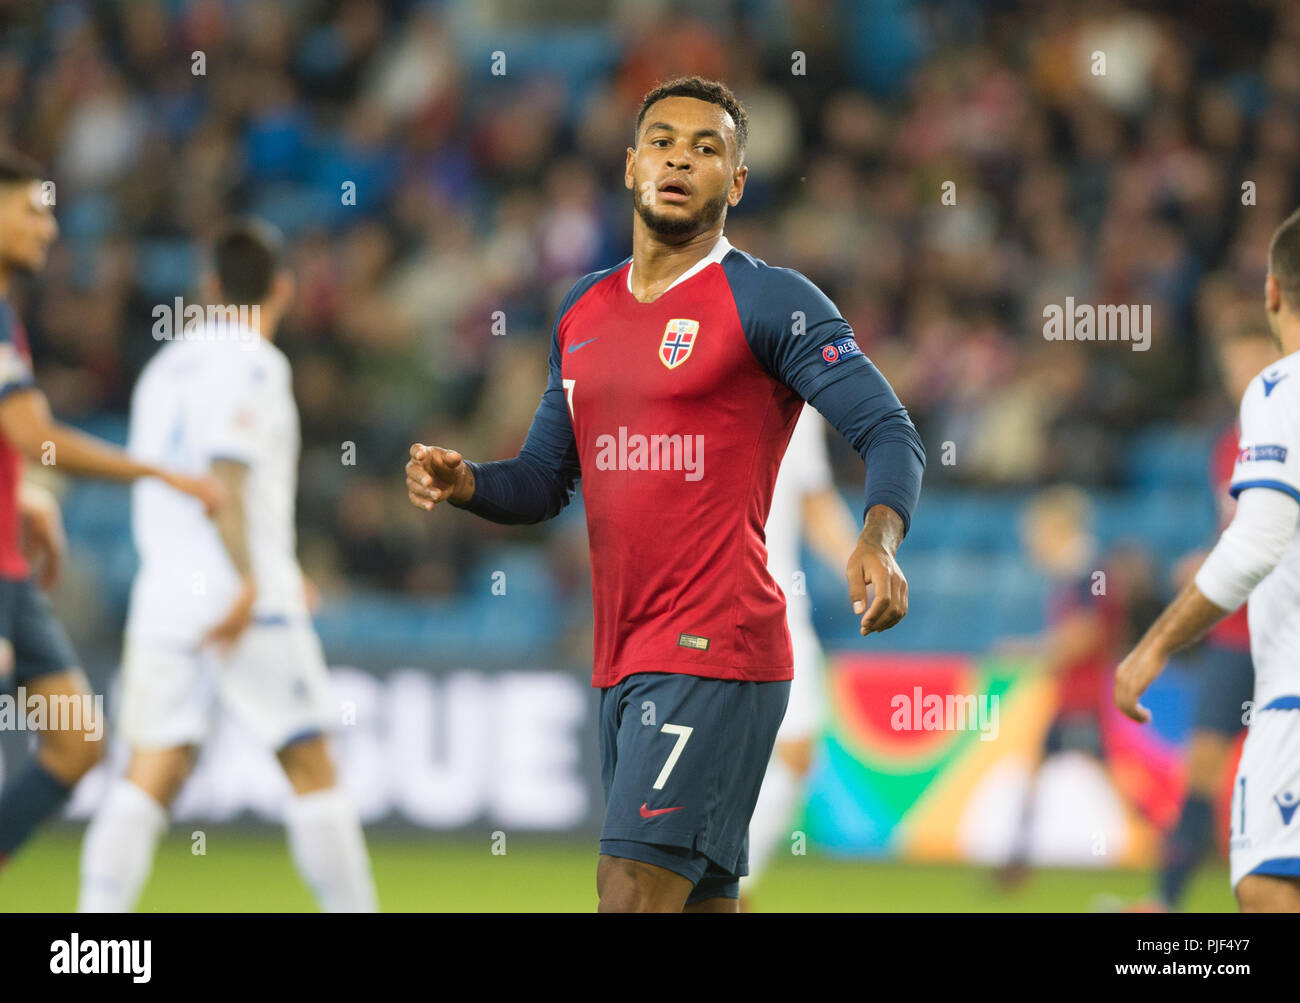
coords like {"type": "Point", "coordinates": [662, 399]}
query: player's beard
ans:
{"type": "Point", "coordinates": [681, 226]}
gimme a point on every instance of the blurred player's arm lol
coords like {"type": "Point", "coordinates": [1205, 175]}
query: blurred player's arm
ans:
{"type": "Point", "coordinates": [44, 542]}
{"type": "Point", "coordinates": [232, 527]}
{"type": "Point", "coordinates": [26, 421]}
{"type": "Point", "coordinates": [828, 524]}
{"type": "Point", "coordinates": [1068, 641]}
{"type": "Point", "coordinates": [1249, 549]}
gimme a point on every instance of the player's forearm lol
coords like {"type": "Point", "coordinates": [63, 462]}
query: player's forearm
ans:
{"type": "Point", "coordinates": [231, 521]}
{"type": "Point", "coordinates": [514, 492]}
{"type": "Point", "coordinates": [895, 461]}
{"type": "Point", "coordinates": [1184, 621]}
{"type": "Point", "coordinates": [75, 452]}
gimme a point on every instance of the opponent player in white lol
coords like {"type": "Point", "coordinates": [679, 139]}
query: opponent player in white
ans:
{"type": "Point", "coordinates": [804, 501]}
{"type": "Point", "coordinates": [1258, 556]}
{"type": "Point", "coordinates": [218, 613]}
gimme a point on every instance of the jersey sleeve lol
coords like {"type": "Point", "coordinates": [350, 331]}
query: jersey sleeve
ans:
{"type": "Point", "coordinates": [15, 370]}
{"type": "Point", "coordinates": [236, 427]}
{"type": "Point", "coordinates": [799, 337]}
{"type": "Point", "coordinates": [1268, 454]}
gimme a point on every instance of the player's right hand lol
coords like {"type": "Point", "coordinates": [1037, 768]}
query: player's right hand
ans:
{"type": "Point", "coordinates": [208, 490]}
{"type": "Point", "coordinates": [1138, 671]}
{"type": "Point", "coordinates": [434, 474]}
{"type": "Point", "coordinates": [228, 630]}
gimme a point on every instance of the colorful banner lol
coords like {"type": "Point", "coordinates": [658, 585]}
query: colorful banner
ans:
{"type": "Point", "coordinates": [929, 757]}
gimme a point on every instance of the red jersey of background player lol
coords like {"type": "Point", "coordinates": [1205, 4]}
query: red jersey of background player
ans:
{"type": "Point", "coordinates": [1083, 681]}
{"type": "Point", "coordinates": [15, 374]}
{"type": "Point", "coordinates": [1234, 630]}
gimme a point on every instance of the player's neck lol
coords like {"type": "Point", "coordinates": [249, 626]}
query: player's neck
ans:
{"type": "Point", "coordinates": [656, 264]}
{"type": "Point", "coordinates": [264, 322]}
{"type": "Point", "coordinates": [6, 277]}
{"type": "Point", "coordinates": [1288, 334]}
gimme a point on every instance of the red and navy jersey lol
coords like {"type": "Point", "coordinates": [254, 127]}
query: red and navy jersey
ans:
{"type": "Point", "coordinates": [1233, 631]}
{"type": "Point", "coordinates": [675, 414]}
{"type": "Point", "coordinates": [15, 374]}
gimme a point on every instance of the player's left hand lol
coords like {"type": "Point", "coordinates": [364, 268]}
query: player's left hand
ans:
{"type": "Point", "coordinates": [872, 564]}
{"type": "Point", "coordinates": [44, 542]}
{"type": "Point", "coordinates": [1138, 671]}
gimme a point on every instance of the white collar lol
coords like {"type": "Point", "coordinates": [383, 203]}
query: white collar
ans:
{"type": "Point", "coordinates": [716, 254]}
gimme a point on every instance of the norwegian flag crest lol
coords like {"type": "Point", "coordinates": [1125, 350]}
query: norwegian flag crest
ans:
{"type": "Point", "coordinates": [678, 342]}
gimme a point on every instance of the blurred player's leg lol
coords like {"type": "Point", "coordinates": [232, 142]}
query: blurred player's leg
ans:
{"type": "Point", "coordinates": [276, 681]}
{"type": "Point", "coordinates": [325, 836]}
{"type": "Point", "coordinates": [117, 853]}
{"type": "Point", "coordinates": [1225, 688]}
{"type": "Point", "coordinates": [1192, 837]}
{"type": "Point", "coordinates": [769, 830]}
{"type": "Point", "coordinates": [782, 785]}
{"type": "Point", "coordinates": [168, 697]}
{"type": "Point", "coordinates": [1260, 893]}
{"type": "Point", "coordinates": [63, 756]}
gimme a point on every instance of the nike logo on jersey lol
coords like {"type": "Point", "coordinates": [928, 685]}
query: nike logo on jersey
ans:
{"type": "Point", "coordinates": [574, 348]}
{"type": "Point", "coordinates": [1286, 803]}
{"type": "Point", "coordinates": [648, 812]}
{"type": "Point", "coordinates": [1270, 384]}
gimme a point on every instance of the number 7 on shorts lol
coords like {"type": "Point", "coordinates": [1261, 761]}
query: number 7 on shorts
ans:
{"type": "Point", "coordinates": [683, 733]}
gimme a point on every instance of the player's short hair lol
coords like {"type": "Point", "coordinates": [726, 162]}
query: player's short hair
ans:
{"type": "Point", "coordinates": [1284, 259]}
{"type": "Point", "coordinates": [15, 168]}
{"type": "Point", "coordinates": [713, 91]}
{"type": "Point", "coordinates": [246, 255]}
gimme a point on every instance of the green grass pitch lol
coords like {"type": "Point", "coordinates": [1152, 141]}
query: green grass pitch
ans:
{"type": "Point", "coordinates": [249, 871]}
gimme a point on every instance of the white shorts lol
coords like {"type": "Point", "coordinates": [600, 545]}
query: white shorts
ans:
{"type": "Point", "coordinates": [274, 681]}
{"type": "Point", "coordinates": [806, 710]}
{"type": "Point", "coordinates": [1265, 825]}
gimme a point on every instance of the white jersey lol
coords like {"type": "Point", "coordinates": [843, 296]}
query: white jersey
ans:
{"type": "Point", "coordinates": [197, 401]}
{"type": "Point", "coordinates": [804, 469]}
{"type": "Point", "coordinates": [1269, 457]}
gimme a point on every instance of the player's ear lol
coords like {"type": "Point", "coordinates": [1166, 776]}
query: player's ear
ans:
{"type": "Point", "coordinates": [737, 189]}
{"type": "Point", "coordinates": [1272, 294]}
{"type": "Point", "coordinates": [210, 288]}
{"type": "Point", "coordinates": [628, 172]}
{"type": "Point", "coordinates": [283, 288]}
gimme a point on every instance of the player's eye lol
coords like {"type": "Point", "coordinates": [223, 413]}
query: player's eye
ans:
{"type": "Point", "coordinates": [656, 142]}
{"type": "Point", "coordinates": [705, 148]}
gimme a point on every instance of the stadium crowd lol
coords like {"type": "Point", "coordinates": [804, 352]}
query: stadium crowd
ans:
{"type": "Point", "coordinates": [443, 181]}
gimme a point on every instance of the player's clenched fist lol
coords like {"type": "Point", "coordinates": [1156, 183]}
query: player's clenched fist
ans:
{"type": "Point", "coordinates": [435, 474]}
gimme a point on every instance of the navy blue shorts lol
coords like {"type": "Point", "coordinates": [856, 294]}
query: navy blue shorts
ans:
{"type": "Point", "coordinates": [1227, 683]}
{"type": "Point", "coordinates": [682, 759]}
{"type": "Point", "coordinates": [1074, 731]}
{"type": "Point", "coordinates": [40, 645]}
